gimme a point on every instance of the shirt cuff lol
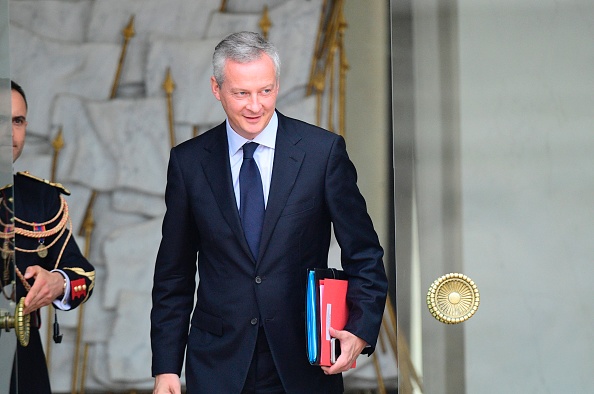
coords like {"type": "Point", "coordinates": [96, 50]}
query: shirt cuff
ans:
{"type": "Point", "coordinates": [63, 303]}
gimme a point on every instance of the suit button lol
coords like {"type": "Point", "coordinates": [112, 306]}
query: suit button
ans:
{"type": "Point", "coordinates": [254, 321]}
{"type": "Point", "coordinates": [258, 280]}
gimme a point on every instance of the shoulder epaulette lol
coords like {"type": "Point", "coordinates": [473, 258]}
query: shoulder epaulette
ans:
{"type": "Point", "coordinates": [58, 186]}
{"type": "Point", "coordinates": [6, 187]}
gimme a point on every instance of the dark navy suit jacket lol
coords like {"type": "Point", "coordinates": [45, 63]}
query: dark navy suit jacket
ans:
{"type": "Point", "coordinates": [313, 187]}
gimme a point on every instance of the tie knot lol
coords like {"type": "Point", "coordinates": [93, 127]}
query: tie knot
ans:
{"type": "Point", "coordinates": [249, 149]}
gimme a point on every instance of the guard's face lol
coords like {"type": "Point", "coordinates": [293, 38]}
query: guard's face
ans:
{"type": "Point", "coordinates": [248, 95]}
{"type": "Point", "coordinates": [19, 124]}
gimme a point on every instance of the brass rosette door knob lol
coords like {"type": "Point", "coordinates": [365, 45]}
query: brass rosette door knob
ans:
{"type": "Point", "coordinates": [20, 322]}
{"type": "Point", "coordinates": [453, 298]}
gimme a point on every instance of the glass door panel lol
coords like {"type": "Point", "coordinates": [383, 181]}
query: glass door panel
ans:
{"type": "Point", "coordinates": [7, 306]}
{"type": "Point", "coordinates": [494, 179]}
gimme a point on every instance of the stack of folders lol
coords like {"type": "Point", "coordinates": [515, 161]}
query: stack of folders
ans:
{"type": "Point", "coordinates": [326, 307]}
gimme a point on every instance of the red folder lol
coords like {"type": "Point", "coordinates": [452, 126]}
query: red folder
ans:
{"type": "Point", "coordinates": [333, 313]}
{"type": "Point", "coordinates": [326, 290]}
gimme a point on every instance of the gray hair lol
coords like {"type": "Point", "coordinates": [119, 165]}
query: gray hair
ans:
{"type": "Point", "coordinates": [242, 47]}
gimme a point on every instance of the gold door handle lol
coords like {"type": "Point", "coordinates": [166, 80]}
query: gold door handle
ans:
{"type": "Point", "coordinates": [453, 298]}
{"type": "Point", "coordinates": [20, 322]}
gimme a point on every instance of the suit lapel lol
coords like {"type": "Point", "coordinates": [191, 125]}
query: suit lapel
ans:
{"type": "Point", "coordinates": [287, 162]}
{"type": "Point", "coordinates": [218, 173]}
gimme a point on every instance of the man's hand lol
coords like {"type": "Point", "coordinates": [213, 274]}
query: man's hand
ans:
{"type": "Point", "coordinates": [47, 287]}
{"type": "Point", "coordinates": [167, 383]}
{"type": "Point", "coordinates": [350, 348]}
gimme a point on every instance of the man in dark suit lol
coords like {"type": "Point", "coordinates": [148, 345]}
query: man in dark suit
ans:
{"type": "Point", "coordinates": [247, 328]}
{"type": "Point", "coordinates": [50, 268]}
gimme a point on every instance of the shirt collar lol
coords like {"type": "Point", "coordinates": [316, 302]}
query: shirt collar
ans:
{"type": "Point", "coordinates": [267, 137]}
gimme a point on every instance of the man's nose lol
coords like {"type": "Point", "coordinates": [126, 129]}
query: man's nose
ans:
{"type": "Point", "coordinates": [254, 104]}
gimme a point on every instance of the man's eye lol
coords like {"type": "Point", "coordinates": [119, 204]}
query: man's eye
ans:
{"type": "Point", "coordinates": [19, 120]}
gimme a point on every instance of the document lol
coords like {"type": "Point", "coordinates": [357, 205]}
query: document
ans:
{"type": "Point", "coordinates": [326, 307]}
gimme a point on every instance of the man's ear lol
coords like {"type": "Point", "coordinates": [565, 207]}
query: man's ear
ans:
{"type": "Point", "coordinates": [215, 88]}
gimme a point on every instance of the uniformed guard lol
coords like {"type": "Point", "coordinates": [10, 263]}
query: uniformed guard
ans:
{"type": "Point", "coordinates": [50, 268]}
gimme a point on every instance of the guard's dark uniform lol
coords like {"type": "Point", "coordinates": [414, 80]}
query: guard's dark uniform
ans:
{"type": "Point", "coordinates": [36, 206]}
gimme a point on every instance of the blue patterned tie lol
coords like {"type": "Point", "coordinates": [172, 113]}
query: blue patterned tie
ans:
{"type": "Point", "coordinates": [251, 201]}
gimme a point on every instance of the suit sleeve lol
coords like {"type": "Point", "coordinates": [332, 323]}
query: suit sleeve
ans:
{"type": "Point", "coordinates": [174, 278]}
{"type": "Point", "coordinates": [361, 253]}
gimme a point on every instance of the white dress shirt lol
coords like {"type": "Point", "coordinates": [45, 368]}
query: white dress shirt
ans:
{"type": "Point", "coordinates": [264, 155]}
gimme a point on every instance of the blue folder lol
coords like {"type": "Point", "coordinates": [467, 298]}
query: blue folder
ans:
{"type": "Point", "coordinates": [312, 309]}
{"type": "Point", "coordinates": [311, 316]}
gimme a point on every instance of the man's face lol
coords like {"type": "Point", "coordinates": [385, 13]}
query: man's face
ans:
{"type": "Point", "coordinates": [248, 95]}
{"type": "Point", "coordinates": [19, 124]}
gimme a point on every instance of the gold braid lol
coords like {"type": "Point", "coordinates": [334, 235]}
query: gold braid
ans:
{"type": "Point", "coordinates": [59, 228]}
{"type": "Point", "coordinates": [42, 234]}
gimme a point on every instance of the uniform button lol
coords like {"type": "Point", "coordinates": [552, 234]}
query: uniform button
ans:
{"type": "Point", "coordinates": [254, 321]}
{"type": "Point", "coordinates": [258, 280]}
